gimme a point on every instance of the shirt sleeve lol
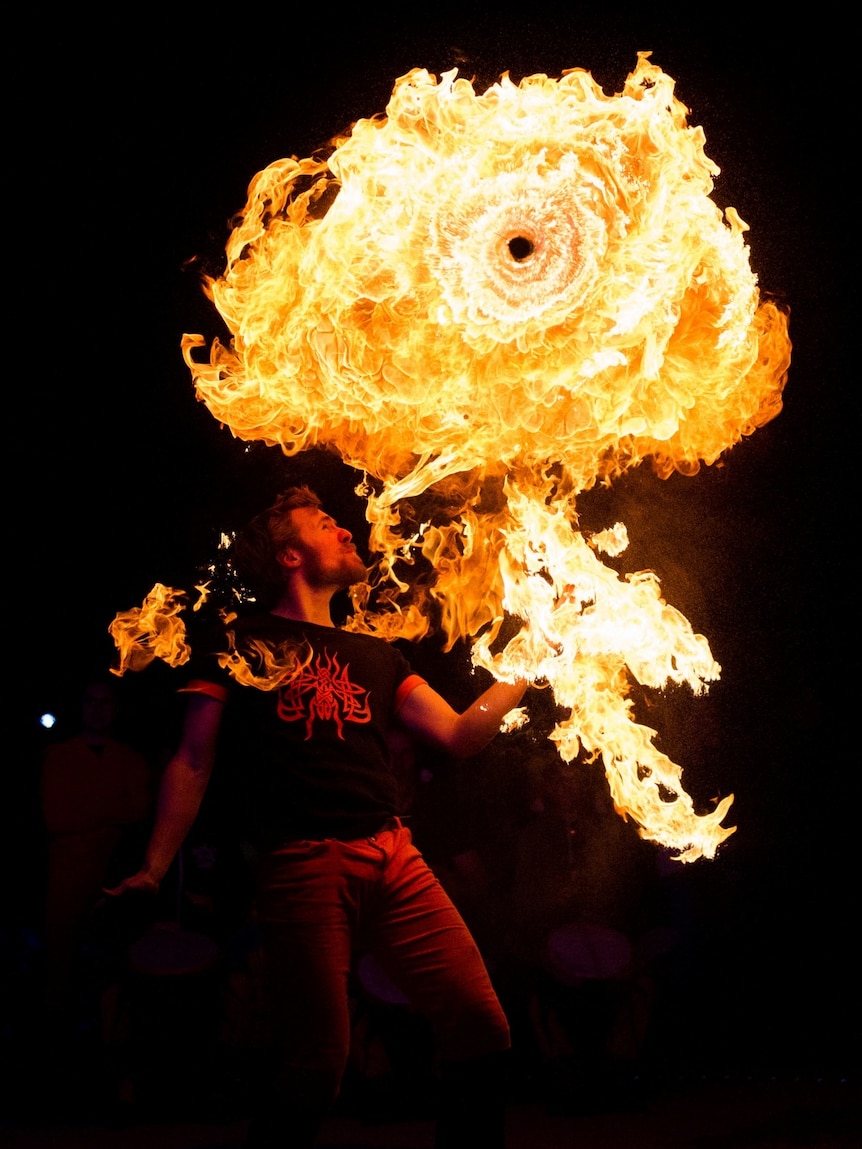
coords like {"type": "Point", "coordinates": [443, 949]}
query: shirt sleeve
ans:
{"type": "Point", "coordinates": [407, 686]}
{"type": "Point", "coordinates": [201, 686]}
{"type": "Point", "coordinates": [204, 674]}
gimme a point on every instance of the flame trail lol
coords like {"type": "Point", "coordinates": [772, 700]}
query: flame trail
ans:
{"type": "Point", "coordinates": [487, 303]}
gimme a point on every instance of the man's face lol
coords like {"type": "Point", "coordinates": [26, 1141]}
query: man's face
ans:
{"type": "Point", "coordinates": [324, 552]}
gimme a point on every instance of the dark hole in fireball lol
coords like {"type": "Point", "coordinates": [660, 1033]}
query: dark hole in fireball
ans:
{"type": "Point", "coordinates": [520, 248]}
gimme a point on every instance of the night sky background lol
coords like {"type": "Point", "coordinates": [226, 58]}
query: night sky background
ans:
{"type": "Point", "coordinates": [137, 145]}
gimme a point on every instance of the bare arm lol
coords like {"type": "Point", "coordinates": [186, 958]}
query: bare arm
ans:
{"type": "Point", "coordinates": [180, 794]}
{"type": "Point", "coordinates": [430, 716]}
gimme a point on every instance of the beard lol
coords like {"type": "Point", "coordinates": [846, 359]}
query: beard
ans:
{"type": "Point", "coordinates": [339, 571]}
{"type": "Point", "coordinates": [355, 570]}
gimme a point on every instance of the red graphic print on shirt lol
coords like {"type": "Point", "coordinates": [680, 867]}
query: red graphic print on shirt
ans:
{"type": "Point", "coordinates": [323, 690]}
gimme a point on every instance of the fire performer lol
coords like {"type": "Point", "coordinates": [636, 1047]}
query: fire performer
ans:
{"type": "Point", "coordinates": [340, 870]}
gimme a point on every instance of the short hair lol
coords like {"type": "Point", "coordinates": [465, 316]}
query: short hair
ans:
{"type": "Point", "coordinates": [257, 547]}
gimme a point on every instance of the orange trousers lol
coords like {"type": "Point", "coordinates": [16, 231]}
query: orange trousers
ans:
{"type": "Point", "coordinates": [320, 903]}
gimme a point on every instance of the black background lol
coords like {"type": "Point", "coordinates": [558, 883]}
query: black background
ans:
{"type": "Point", "coordinates": [137, 142]}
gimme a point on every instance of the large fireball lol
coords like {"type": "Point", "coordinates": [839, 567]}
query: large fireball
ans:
{"type": "Point", "coordinates": [533, 274]}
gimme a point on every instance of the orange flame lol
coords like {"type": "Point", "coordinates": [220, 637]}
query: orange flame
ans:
{"type": "Point", "coordinates": [152, 630]}
{"type": "Point", "coordinates": [156, 629]}
{"type": "Point", "coordinates": [488, 303]}
{"type": "Point", "coordinates": [268, 667]}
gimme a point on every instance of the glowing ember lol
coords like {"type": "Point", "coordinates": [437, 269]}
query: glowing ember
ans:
{"type": "Point", "coordinates": [493, 302]}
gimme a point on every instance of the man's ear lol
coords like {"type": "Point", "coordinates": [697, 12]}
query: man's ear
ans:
{"type": "Point", "coordinates": [289, 558]}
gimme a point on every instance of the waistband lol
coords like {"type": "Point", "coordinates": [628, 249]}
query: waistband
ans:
{"type": "Point", "coordinates": [389, 824]}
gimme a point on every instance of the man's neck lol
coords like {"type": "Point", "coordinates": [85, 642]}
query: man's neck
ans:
{"type": "Point", "coordinates": [305, 604]}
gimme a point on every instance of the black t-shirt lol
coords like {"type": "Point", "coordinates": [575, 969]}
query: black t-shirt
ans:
{"type": "Point", "coordinates": [310, 757]}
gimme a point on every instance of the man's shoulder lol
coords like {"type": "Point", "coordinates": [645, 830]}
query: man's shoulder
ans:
{"type": "Point", "coordinates": [275, 631]}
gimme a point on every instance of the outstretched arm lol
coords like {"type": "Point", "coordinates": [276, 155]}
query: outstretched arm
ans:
{"type": "Point", "coordinates": [180, 793]}
{"type": "Point", "coordinates": [427, 714]}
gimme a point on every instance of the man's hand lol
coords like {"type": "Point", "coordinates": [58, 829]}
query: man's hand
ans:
{"type": "Point", "coordinates": [140, 883]}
